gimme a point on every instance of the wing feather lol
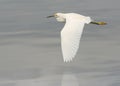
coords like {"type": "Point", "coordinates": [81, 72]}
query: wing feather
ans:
{"type": "Point", "coordinates": [70, 39]}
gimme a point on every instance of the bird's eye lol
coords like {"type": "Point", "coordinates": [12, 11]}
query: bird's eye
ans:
{"type": "Point", "coordinates": [56, 15]}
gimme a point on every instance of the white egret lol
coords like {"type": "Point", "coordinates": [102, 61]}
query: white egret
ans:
{"type": "Point", "coordinates": [72, 31]}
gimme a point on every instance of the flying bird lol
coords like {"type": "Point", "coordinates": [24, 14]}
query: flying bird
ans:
{"type": "Point", "coordinates": [72, 31]}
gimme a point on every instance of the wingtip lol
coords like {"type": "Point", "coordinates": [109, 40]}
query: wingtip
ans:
{"type": "Point", "coordinates": [67, 60]}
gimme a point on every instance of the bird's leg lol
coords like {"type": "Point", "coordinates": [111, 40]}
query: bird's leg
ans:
{"type": "Point", "coordinates": [98, 23]}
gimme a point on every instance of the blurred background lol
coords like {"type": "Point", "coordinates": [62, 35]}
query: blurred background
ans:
{"type": "Point", "coordinates": [30, 51]}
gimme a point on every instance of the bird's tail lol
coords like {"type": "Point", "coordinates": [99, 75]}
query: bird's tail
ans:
{"type": "Point", "coordinates": [88, 20]}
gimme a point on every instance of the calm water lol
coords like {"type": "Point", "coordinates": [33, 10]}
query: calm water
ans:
{"type": "Point", "coordinates": [30, 53]}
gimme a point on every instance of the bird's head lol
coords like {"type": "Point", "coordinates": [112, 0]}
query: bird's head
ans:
{"type": "Point", "coordinates": [59, 16]}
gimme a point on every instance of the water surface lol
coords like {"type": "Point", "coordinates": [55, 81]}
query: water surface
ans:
{"type": "Point", "coordinates": [30, 53]}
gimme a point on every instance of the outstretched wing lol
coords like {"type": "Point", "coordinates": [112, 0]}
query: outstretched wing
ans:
{"type": "Point", "coordinates": [70, 38]}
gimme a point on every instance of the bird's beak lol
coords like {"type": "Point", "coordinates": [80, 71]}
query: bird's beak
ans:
{"type": "Point", "coordinates": [50, 16]}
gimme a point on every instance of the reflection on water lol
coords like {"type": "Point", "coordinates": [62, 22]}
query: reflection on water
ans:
{"type": "Point", "coordinates": [66, 79]}
{"type": "Point", "coordinates": [61, 77]}
{"type": "Point", "coordinates": [69, 80]}
{"type": "Point", "coordinates": [30, 53]}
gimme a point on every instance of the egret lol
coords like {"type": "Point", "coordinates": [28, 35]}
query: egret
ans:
{"type": "Point", "coordinates": [71, 32]}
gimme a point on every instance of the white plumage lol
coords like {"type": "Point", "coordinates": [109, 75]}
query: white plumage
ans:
{"type": "Point", "coordinates": [71, 32]}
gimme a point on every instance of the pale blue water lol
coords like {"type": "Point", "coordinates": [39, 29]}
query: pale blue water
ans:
{"type": "Point", "coordinates": [30, 53]}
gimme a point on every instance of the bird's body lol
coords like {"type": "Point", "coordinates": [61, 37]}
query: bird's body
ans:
{"type": "Point", "coordinates": [71, 32]}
